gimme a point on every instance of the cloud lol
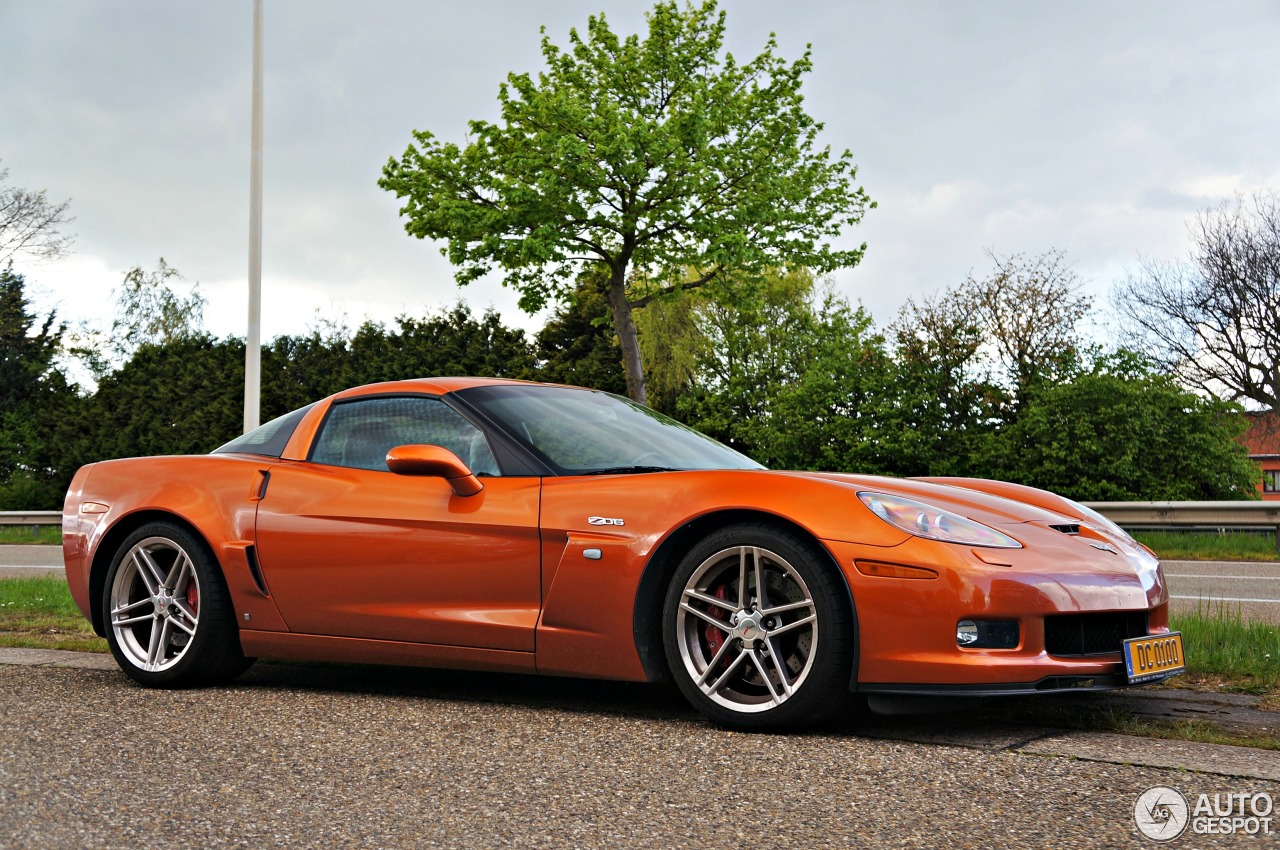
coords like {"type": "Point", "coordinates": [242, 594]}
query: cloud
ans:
{"type": "Point", "coordinates": [1093, 127]}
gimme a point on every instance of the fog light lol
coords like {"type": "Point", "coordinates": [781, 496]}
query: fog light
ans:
{"type": "Point", "coordinates": [987, 634]}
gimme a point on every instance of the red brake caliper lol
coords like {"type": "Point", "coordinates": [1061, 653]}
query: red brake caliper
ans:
{"type": "Point", "coordinates": [715, 637]}
{"type": "Point", "coordinates": [193, 597]}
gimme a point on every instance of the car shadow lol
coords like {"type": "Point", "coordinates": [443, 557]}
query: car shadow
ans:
{"type": "Point", "coordinates": [579, 695]}
{"type": "Point", "coordinates": [984, 723]}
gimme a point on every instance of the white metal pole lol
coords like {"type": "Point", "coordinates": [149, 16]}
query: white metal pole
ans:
{"type": "Point", "coordinates": [253, 341]}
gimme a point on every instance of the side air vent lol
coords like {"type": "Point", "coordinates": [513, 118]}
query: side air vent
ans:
{"type": "Point", "coordinates": [251, 555]}
{"type": "Point", "coordinates": [1066, 529]}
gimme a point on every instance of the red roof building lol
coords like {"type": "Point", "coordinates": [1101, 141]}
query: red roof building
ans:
{"type": "Point", "coordinates": [1263, 442]}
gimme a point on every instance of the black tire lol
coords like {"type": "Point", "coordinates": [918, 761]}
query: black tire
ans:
{"type": "Point", "coordinates": [721, 635]}
{"type": "Point", "coordinates": [167, 612]}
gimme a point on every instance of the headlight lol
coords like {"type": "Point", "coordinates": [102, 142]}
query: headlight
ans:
{"type": "Point", "coordinates": [934, 523]}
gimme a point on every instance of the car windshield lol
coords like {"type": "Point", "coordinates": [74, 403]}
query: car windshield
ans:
{"type": "Point", "coordinates": [580, 432]}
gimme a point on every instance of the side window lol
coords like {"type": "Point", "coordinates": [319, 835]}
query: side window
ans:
{"type": "Point", "coordinates": [359, 433]}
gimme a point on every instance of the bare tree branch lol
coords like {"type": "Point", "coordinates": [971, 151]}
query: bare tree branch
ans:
{"type": "Point", "coordinates": [30, 224]}
{"type": "Point", "coordinates": [1214, 319]}
{"type": "Point", "coordinates": [1029, 309]}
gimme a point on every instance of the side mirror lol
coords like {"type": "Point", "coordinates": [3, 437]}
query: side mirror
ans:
{"type": "Point", "coordinates": [434, 461]}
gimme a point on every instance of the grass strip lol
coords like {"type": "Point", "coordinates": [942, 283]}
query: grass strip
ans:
{"type": "Point", "coordinates": [1244, 655]}
{"type": "Point", "coordinates": [39, 612]}
{"type": "Point", "coordinates": [1207, 546]}
{"type": "Point", "coordinates": [1122, 722]}
{"type": "Point", "coordinates": [39, 534]}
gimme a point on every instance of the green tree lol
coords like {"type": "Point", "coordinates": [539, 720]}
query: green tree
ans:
{"type": "Point", "coordinates": [947, 406]}
{"type": "Point", "coordinates": [1030, 310]}
{"type": "Point", "coordinates": [35, 399]}
{"type": "Point", "coordinates": [28, 346]}
{"type": "Point", "coordinates": [181, 397]}
{"type": "Point", "coordinates": [644, 159]}
{"type": "Point", "coordinates": [797, 379]}
{"type": "Point", "coordinates": [672, 344]}
{"type": "Point", "coordinates": [750, 351]}
{"type": "Point", "coordinates": [150, 311]}
{"type": "Point", "coordinates": [840, 412]}
{"type": "Point", "coordinates": [451, 342]}
{"type": "Point", "coordinates": [1000, 334]}
{"type": "Point", "coordinates": [147, 311]}
{"type": "Point", "coordinates": [297, 370]}
{"type": "Point", "coordinates": [577, 345]}
{"type": "Point", "coordinates": [1120, 431]}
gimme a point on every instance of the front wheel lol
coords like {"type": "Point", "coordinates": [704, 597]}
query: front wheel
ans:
{"type": "Point", "coordinates": [167, 611]}
{"type": "Point", "coordinates": [758, 630]}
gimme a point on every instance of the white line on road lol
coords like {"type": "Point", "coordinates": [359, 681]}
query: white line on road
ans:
{"type": "Point", "coordinates": [1223, 599]}
{"type": "Point", "coordinates": [1247, 578]}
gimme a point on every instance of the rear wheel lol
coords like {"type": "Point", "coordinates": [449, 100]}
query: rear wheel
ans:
{"type": "Point", "coordinates": [167, 611]}
{"type": "Point", "coordinates": [757, 630]}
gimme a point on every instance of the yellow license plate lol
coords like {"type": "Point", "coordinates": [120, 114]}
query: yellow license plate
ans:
{"type": "Point", "coordinates": [1147, 659]}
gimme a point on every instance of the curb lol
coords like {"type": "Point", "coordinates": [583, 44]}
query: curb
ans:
{"type": "Point", "coordinates": [57, 658]}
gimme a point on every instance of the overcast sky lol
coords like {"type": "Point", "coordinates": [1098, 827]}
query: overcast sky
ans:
{"type": "Point", "coordinates": [1098, 128]}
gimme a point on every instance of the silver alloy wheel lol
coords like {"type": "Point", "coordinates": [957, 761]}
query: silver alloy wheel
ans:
{"type": "Point", "coordinates": [155, 604]}
{"type": "Point", "coordinates": [747, 629]}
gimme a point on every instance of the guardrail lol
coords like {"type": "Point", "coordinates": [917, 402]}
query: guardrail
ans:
{"type": "Point", "coordinates": [33, 521]}
{"type": "Point", "coordinates": [31, 518]}
{"type": "Point", "coordinates": [1214, 515]}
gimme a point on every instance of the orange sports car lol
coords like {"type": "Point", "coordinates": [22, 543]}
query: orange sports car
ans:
{"type": "Point", "coordinates": [510, 526]}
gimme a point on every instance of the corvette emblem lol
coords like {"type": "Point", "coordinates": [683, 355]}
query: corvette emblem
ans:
{"type": "Point", "coordinates": [604, 520]}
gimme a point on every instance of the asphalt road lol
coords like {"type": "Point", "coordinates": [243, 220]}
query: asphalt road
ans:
{"type": "Point", "coordinates": [14, 555]}
{"type": "Point", "coordinates": [1254, 588]}
{"type": "Point", "coordinates": [337, 757]}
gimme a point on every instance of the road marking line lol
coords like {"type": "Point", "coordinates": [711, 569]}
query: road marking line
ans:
{"type": "Point", "coordinates": [1194, 575]}
{"type": "Point", "coordinates": [1224, 599]}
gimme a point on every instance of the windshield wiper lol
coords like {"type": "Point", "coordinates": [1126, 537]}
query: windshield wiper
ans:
{"type": "Point", "coordinates": [627, 470]}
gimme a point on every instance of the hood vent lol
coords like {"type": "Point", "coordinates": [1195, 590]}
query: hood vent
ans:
{"type": "Point", "coordinates": [1067, 529]}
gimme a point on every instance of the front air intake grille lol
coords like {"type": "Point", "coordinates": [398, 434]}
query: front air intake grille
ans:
{"type": "Point", "coordinates": [1069, 635]}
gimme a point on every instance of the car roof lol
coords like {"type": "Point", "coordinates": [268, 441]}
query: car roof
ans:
{"type": "Point", "coordinates": [433, 386]}
{"type": "Point", "coordinates": [299, 444]}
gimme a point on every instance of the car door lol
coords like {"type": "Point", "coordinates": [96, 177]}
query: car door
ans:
{"type": "Point", "coordinates": [351, 549]}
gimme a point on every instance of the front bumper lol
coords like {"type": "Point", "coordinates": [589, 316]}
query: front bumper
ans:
{"type": "Point", "coordinates": [1049, 684]}
{"type": "Point", "coordinates": [907, 627]}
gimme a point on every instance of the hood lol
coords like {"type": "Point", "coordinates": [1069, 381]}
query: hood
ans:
{"type": "Point", "coordinates": [964, 500]}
